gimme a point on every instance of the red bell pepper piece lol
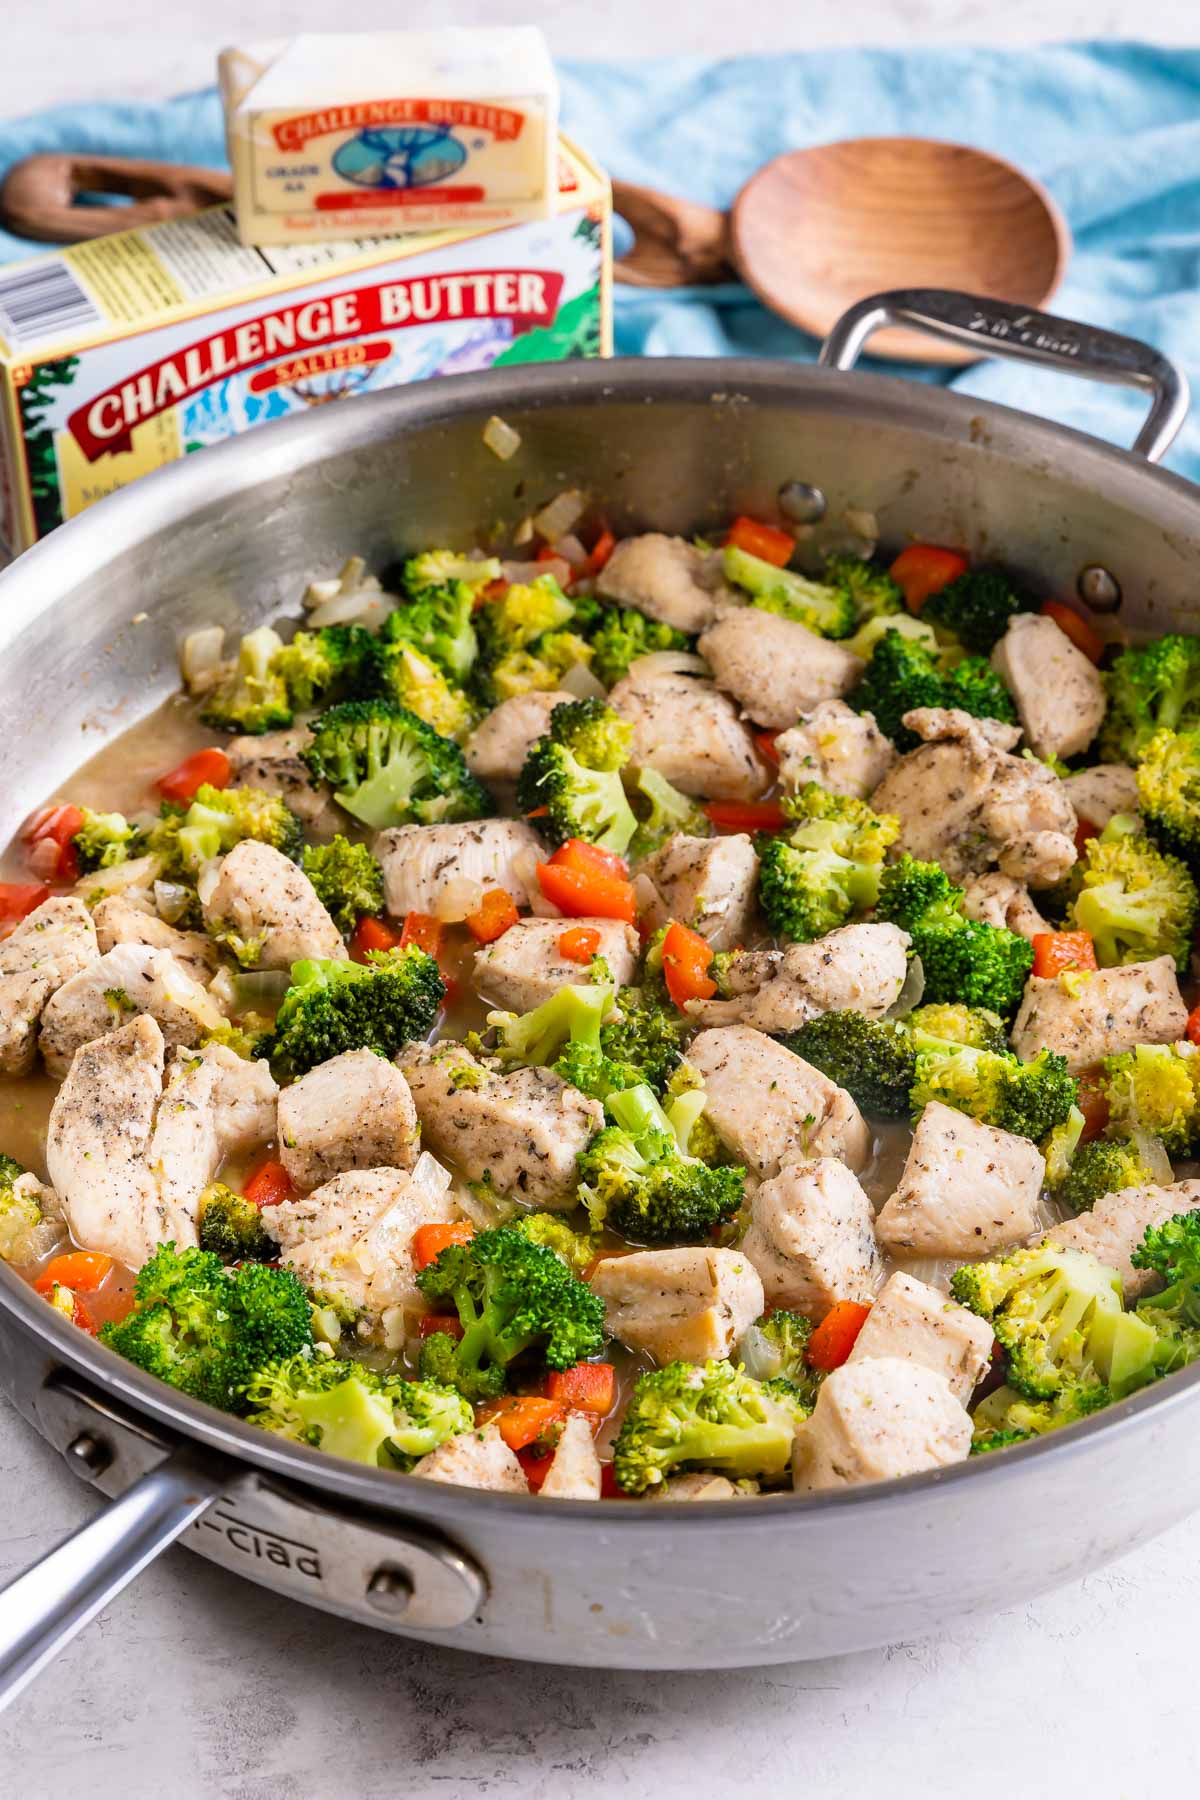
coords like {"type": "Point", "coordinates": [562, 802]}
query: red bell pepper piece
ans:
{"type": "Point", "coordinates": [205, 768]}
{"type": "Point", "coordinates": [924, 569]}
{"type": "Point", "coordinates": [1056, 951]}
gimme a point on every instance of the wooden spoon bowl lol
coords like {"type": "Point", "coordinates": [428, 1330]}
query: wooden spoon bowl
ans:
{"type": "Point", "coordinates": [815, 230]}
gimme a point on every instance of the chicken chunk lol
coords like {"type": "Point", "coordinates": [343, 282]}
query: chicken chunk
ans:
{"type": "Point", "coordinates": [965, 801]}
{"type": "Point", "coordinates": [215, 1104]}
{"type": "Point", "coordinates": [262, 899]}
{"type": "Point", "coordinates": [130, 918]}
{"type": "Point", "coordinates": [351, 1239]}
{"type": "Point", "coordinates": [1101, 1013]}
{"type": "Point", "coordinates": [707, 883]}
{"type": "Point", "coordinates": [875, 1420]}
{"type": "Point", "coordinates": [697, 1484]}
{"type": "Point", "coordinates": [679, 1305]}
{"type": "Point", "coordinates": [811, 1237]}
{"type": "Point", "coordinates": [1059, 692]}
{"type": "Point", "coordinates": [500, 743]}
{"type": "Point", "coordinates": [966, 1189]}
{"type": "Point", "coordinates": [1117, 1224]}
{"type": "Point", "coordinates": [478, 1459]}
{"type": "Point", "coordinates": [772, 1108]}
{"type": "Point", "coordinates": [520, 1133]}
{"type": "Point", "coordinates": [666, 578]}
{"type": "Point", "coordinates": [51, 945]}
{"type": "Point", "coordinates": [133, 978]}
{"type": "Point", "coordinates": [353, 1112]}
{"type": "Point", "coordinates": [921, 1325]}
{"type": "Point", "coordinates": [424, 866]}
{"type": "Point", "coordinates": [574, 1472]}
{"type": "Point", "coordinates": [272, 764]}
{"type": "Point", "coordinates": [776, 668]}
{"type": "Point", "coordinates": [996, 899]}
{"type": "Point", "coordinates": [842, 749]}
{"type": "Point", "coordinates": [859, 967]}
{"type": "Point", "coordinates": [689, 731]}
{"type": "Point", "coordinates": [1099, 794]}
{"type": "Point", "coordinates": [525, 966]}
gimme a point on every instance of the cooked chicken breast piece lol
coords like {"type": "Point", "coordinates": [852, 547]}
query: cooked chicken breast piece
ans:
{"type": "Point", "coordinates": [682, 1305]}
{"type": "Point", "coordinates": [574, 1472]}
{"type": "Point", "coordinates": [353, 1112]}
{"type": "Point", "coordinates": [776, 668]}
{"type": "Point", "coordinates": [920, 1324]}
{"type": "Point", "coordinates": [425, 865]}
{"type": "Point", "coordinates": [1100, 1014]}
{"type": "Point", "coordinates": [519, 1132]}
{"type": "Point", "coordinates": [1059, 692]}
{"type": "Point", "coordinates": [500, 743]}
{"type": "Point", "coordinates": [689, 731]}
{"type": "Point", "coordinates": [772, 1108]}
{"type": "Point", "coordinates": [699, 1485]}
{"type": "Point", "coordinates": [842, 749]}
{"type": "Point", "coordinates": [215, 1104]}
{"type": "Point", "coordinates": [964, 801]}
{"type": "Point", "coordinates": [811, 1237]}
{"type": "Point", "coordinates": [525, 966]}
{"type": "Point", "coordinates": [859, 967]}
{"type": "Point", "coordinates": [259, 896]}
{"type": "Point", "coordinates": [133, 978]}
{"type": "Point", "coordinates": [1117, 1224]}
{"type": "Point", "coordinates": [1099, 794]}
{"type": "Point", "coordinates": [876, 1420]}
{"type": "Point", "coordinates": [272, 764]}
{"type": "Point", "coordinates": [49, 946]}
{"type": "Point", "coordinates": [352, 1240]}
{"type": "Point", "coordinates": [996, 899]}
{"type": "Point", "coordinates": [666, 578]}
{"type": "Point", "coordinates": [478, 1459]}
{"type": "Point", "coordinates": [966, 1189]}
{"type": "Point", "coordinates": [707, 883]}
{"type": "Point", "coordinates": [130, 918]}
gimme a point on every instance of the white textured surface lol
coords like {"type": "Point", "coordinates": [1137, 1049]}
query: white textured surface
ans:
{"type": "Point", "coordinates": [196, 1686]}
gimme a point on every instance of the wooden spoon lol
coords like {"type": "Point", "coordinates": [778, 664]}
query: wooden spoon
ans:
{"type": "Point", "coordinates": [815, 230]}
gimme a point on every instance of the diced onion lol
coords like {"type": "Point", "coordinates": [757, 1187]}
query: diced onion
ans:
{"type": "Point", "coordinates": [524, 532]}
{"type": "Point", "coordinates": [569, 546]}
{"type": "Point", "coordinates": [560, 516]}
{"type": "Point", "coordinates": [758, 1356]}
{"type": "Point", "coordinates": [863, 524]}
{"type": "Point", "coordinates": [483, 1209]}
{"type": "Point", "coordinates": [501, 439]}
{"type": "Point", "coordinates": [260, 990]}
{"type": "Point", "coordinates": [171, 900]}
{"type": "Point", "coordinates": [140, 872]}
{"type": "Point", "coordinates": [458, 898]}
{"type": "Point", "coordinates": [669, 662]}
{"type": "Point", "coordinates": [223, 990]}
{"type": "Point", "coordinates": [207, 879]}
{"type": "Point", "coordinates": [580, 681]}
{"type": "Point", "coordinates": [530, 571]}
{"type": "Point", "coordinates": [200, 657]}
{"type": "Point", "coordinates": [909, 997]}
{"type": "Point", "coordinates": [1150, 1150]}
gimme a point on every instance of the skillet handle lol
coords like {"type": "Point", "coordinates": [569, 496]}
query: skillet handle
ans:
{"type": "Point", "coordinates": [1025, 336]}
{"type": "Point", "coordinates": [42, 1609]}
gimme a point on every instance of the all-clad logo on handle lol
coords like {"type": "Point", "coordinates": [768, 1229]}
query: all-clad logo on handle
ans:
{"type": "Point", "coordinates": [259, 1543]}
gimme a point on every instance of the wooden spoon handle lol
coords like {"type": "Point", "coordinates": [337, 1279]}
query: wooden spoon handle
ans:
{"type": "Point", "coordinates": [677, 243]}
{"type": "Point", "coordinates": [39, 197]}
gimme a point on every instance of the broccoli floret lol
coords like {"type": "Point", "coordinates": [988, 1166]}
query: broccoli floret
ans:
{"type": "Point", "coordinates": [414, 680]}
{"type": "Point", "coordinates": [1151, 687]}
{"type": "Point", "coordinates": [388, 767]}
{"type": "Point", "coordinates": [636, 1178]}
{"type": "Point", "coordinates": [103, 840]}
{"type": "Point", "coordinates": [512, 1296]}
{"type": "Point", "coordinates": [1104, 1166]}
{"type": "Point", "coordinates": [1172, 1251]}
{"type": "Point", "coordinates": [245, 1036]}
{"type": "Point", "coordinates": [1027, 1098]}
{"type": "Point", "coordinates": [1006, 1417]}
{"type": "Point", "coordinates": [1058, 1318]}
{"type": "Point", "coordinates": [571, 1016]}
{"type": "Point", "coordinates": [319, 667]}
{"type": "Point", "coordinates": [437, 621]}
{"type": "Point", "coordinates": [27, 1231]}
{"type": "Point", "coordinates": [905, 624]}
{"type": "Point", "coordinates": [980, 965]}
{"type": "Point", "coordinates": [623, 635]}
{"type": "Point", "coordinates": [684, 1101]}
{"type": "Point", "coordinates": [826, 869]}
{"type": "Point", "coordinates": [661, 811]}
{"type": "Point", "coordinates": [873, 1059]}
{"type": "Point", "coordinates": [571, 777]}
{"type": "Point", "coordinates": [1136, 901]}
{"type": "Point", "coordinates": [517, 634]}
{"type": "Point", "coordinates": [647, 1033]}
{"type": "Point", "coordinates": [874, 593]}
{"type": "Point", "coordinates": [831, 611]}
{"type": "Point", "coordinates": [1155, 1088]}
{"type": "Point", "coordinates": [577, 1249]}
{"type": "Point", "coordinates": [348, 880]}
{"type": "Point", "coordinates": [231, 1227]}
{"type": "Point", "coordinates": [442, 568]}
{"type": "Point", "coordinates": [334, 1006]}
{"type": "Point", "coordinates": [206, 1329]}
{"type": "Point", "coordinates": [974, 687]}
{"type": "Point", "coordinates": [184, 839]}
{"type": "Point", "coordinates": [904, 674]}
{"type": "Point", "coordinates": [775, 1349]}
{"type": "Point", "coordinates": [952, 1023]}
{"type": "Point", "coordinates": [1168, 781]}
{"type": "Point", "coordinates": [349, 1410]}
{"type": "Point", "coordinates": [253, 696]}
{"type": "Point", "coordinates": [976, 608]}
{"type": "Point", "coordinates": [703, 1416]}
{"type": "Point", "coordinates": [538, 669]}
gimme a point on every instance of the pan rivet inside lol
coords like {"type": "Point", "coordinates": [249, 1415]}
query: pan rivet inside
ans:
{"type": "Point", "coordinates": [801, 502]}
{"type": "Point", "coordinates": [88, 1455]}
{"type": "Point", "coordinates": [1100, 589]}
{"type": "Point", "coordinates": [389, 1591]}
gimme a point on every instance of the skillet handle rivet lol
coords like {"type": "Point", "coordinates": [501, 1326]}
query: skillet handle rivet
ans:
{"type": "Point", "coordinates": [390, 1590]}
{"type": "Point", "coordinates": [88, 1455]}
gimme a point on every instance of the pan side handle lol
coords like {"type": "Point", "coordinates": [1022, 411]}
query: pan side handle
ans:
{"type": "Point", "coordinates": [1017, 332]}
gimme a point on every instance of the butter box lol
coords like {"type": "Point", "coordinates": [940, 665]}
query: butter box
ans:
{"type": "Point", "coordinates": [390, 131]}
{"type": "Point", "coordinates": [128, 352]}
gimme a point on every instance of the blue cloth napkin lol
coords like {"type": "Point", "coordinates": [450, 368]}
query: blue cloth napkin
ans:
{"type": "Point", "coordinates": [1113, 130]}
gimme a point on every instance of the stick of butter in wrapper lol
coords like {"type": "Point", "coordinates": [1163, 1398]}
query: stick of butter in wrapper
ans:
{"type": "Point", "coordinates": [382, 133]}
